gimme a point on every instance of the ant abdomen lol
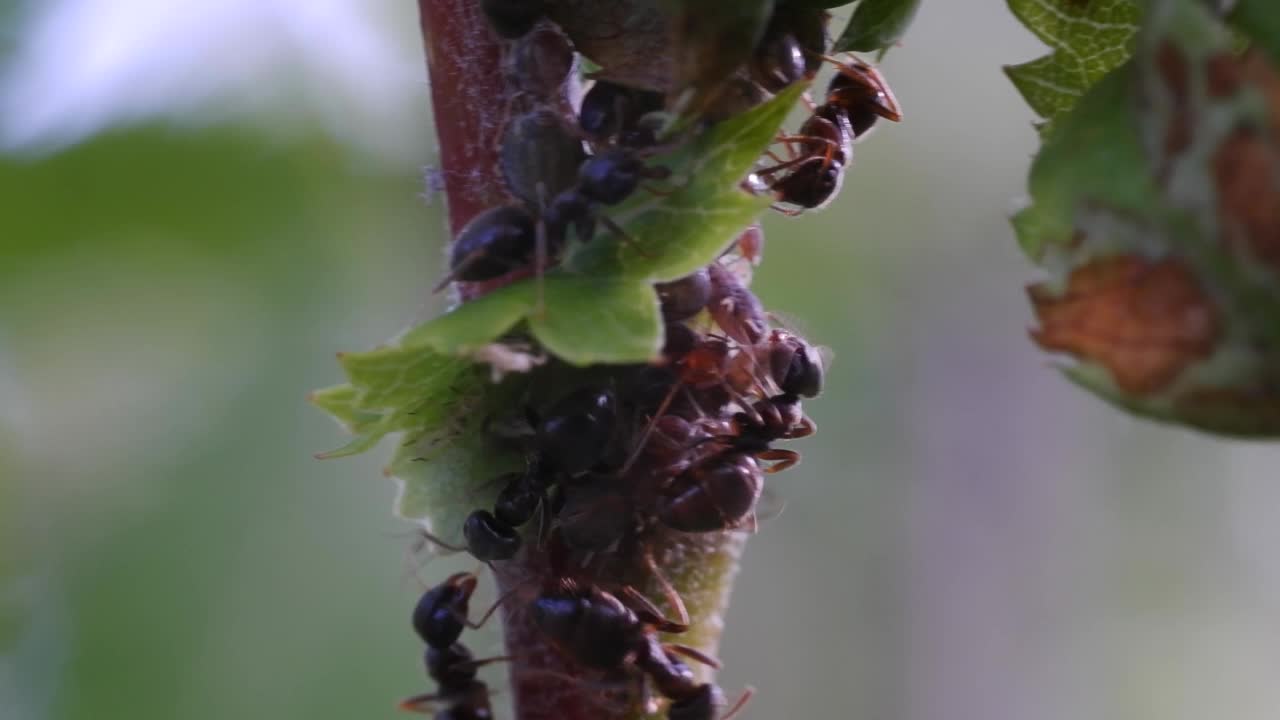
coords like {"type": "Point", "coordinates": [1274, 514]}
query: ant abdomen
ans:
{"type": "Point", "coordinates": [704, 703]}
{"type": "Point", "coordinates": [578, 430]}
{"type": "Point", "coordinates": [714, 495]}
{"type": "Point", "coordinates": [496, 242]}
{"type": "Point", "coordinates": [452, 667]}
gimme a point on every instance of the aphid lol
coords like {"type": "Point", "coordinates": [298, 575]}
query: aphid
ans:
{"type": "Point", "coordinates": [735, 308]}
{"type": "Point", "coordinates": [791, 48]}
{"type": "Point", "coordinates": [513, 18]}
{"type": "Point", "coordinates": [539, 156]}
{"type": "Point", "coordinates": [538, 64]}
{"type": "Point", "coordinates": [684, 298]}
{"type": "Point", "coordinates": [613, 113]}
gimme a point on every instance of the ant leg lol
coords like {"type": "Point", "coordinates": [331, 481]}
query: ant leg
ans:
{"type": "Point", "coordinates": [492, 609]}
{"type": "Point", "coordinates": [669, 590]}
{"type": "Point", "coordinates": [747, 692]}
{"type": "Point", "coordinates": [693, 654]}
{"type": "Point", "coordinates": [540, 248]}
{"type": "Point", "coordinates": [648, 430]}
{"type": "Point", "coordinates": [650, 614]}
{"type": "Point", "coordinates": [784, 458]}
{"type": "Point", "coordinates": [806, 428]}
{"type": "Point", "coordinates": [789, 212]}
{"type": "Point", "coordinates": [428, 538]}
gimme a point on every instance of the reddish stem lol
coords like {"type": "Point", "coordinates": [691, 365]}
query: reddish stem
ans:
{"type": "Point", "coordinates": [468, 101]}
{"type": "Point", "coordinates": [464, 60]}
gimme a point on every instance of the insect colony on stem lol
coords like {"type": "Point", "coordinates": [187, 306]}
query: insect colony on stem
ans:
{"type": "Point", "coordinates": [680, 445]}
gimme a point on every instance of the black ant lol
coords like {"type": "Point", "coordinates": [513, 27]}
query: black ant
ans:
{"type": "Point", "coordinates": [575, 434]}
{"type": "Point", "coordinates": [601, 632]}
{"type": "Point", "coordinates": [439, 619]}
{"type": "Point", "coordinates": [512, 19]}
{"type": "Point", "coordinates": [510, 237]}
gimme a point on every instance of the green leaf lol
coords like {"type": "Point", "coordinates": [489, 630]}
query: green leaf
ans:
{"type": "Point", "coordinates": [1089, 39]}
{"type": "Point", "coordinates": [608, 320]}
{"type": "Point", "coordinates": [1152, 166]}
{"type": "Point", "coordinates": [877, 25]}
{"type": "Point", "coordinates": [600, 307]}
{"type": "Point", "coordinates": [446, 474]}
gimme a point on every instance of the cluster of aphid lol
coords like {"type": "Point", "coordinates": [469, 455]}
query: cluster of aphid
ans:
{"type": "Point", "coordinates": [561, 190]}
{"type": "Point", "coordinates": [678, 446]}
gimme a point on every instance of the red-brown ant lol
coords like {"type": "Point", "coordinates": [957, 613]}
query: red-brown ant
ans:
{"type": "Point", "coordinates": [598, 630]}
{"type": "Point", "coordinates": [716, 494]}
{"type": "Point", "coordinates": [856, 98]}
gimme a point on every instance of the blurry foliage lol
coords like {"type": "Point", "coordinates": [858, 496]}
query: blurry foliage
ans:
{"type": "Point", "coordinates": [1156, 212]}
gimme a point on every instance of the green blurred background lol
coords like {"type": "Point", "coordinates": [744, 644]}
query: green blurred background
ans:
{"type": "Point", "coordinates": [201, 202]}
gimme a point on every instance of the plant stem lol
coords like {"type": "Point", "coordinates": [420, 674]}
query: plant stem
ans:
{"type": "Point", "coordinates": [469, 104]}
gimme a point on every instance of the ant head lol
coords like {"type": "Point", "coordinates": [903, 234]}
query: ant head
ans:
{"type": "Point", "coordinates": [794, 364]}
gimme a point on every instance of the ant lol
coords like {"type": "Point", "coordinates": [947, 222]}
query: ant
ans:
{"type": "Point", "coordinates": [598, 630]}
{"type": "Point", "coordinates": [575, 435]}
{"type": "Point", "coordinates": [716, 494]}
{"type": "Point", "coordinates": [439, 618]}
{"type": "Point", "coordinates": [857, 97]}
{"type": "Point", "coordinates": [509, 237]}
